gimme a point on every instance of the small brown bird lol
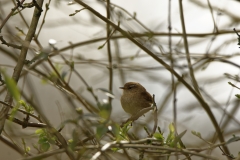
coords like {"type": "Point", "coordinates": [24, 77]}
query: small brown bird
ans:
{"type": "Point", "coordinates": [135, 98]}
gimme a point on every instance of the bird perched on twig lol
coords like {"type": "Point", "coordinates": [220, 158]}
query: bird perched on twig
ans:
{"type": "Point", "coordinates": [135, 98]}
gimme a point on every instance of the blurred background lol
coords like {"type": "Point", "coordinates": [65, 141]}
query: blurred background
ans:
{"type": "Point", "coordinates": [72, 36]}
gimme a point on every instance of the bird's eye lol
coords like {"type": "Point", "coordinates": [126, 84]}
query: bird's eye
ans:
{"type": "Point", "coordinates": [131, 86]}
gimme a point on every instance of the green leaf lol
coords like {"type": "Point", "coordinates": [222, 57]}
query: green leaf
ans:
{"type": "Point", "coordinates": [171, 128]}
{"type": "Point", "coordinates": [23, 103]}
{"type": "Point", "coordinates": [158, 136]}
{"type": "Point", "coordinates": [70, 141]}
{"type": "Point", "coordinates": [72, 65]}
{"type": "Point", "coordinates": [198, 134]}
{"type": "Point", "coordinates": [52, 139]}
{"type": "Point", "coordinates": [100, 47]}
{"type": "Point", "coordinates": [47, 6]}
{"type": "Point", "coordinates": [43, 140]}
{"type": "Point", "coordinates": [238, 96]}
{"type": "Point", "coordinates": [90, 88]}
{"type": "Point", "coordinates": [44, 81]}
{"type": "Point", "coordinates": [123, 131]}
{"type": "Point", "coordinates": [79, 110]}
{"type": "Point", "coordinates": [20, 31]}
{"type": "Point", "coordinates": [45, 146]}
{"type": "Point", "coordinates": [28, 108]}
{"type": "Point", "coordinates": [101, 130]}
{"type": "Point", "coordinates": [74, 141]}
{"type": "Point", "coordinates": [27, 149]}
{"type": "Point", "coordinates": [126, 127]}
{"type": "Point", "coordinates": [233, 139]}
{"type": "Point", "coordinates": [177, 139]}
{"type": "Point", "coordinates": [115, 149]}
{"type": "Point", "coordinates": [150, 35]}
{"type": "Point", "coordinates": [105, 110]}
{"type": "Point", "coordinates": [14, 111]}
{"type": "Point", "coordinates": [171, 135]}
{"type": "Point", "coordinates": [72, 14]}
{"type": "Point", "coordinates": [115, 129]}
{"type": "Point", "coordinates": [12, 87]}
{"type": "Point", "coordinates": [39, 131]}
{"type": "Point", "coordinates": [134, 15]}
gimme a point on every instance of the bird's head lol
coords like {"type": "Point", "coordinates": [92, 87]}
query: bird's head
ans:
{"type": "Point", "coordinates": [132, 87]}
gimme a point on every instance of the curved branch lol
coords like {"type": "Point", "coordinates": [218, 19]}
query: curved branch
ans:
{"type": "Point", "coordinates": [198, 97]}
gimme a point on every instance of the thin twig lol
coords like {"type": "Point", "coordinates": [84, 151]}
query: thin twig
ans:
{"type": "Point", "coordinates": [20, 64]}
{"type": "Point", "coordinates": [236, 32]}
{"type": "Point", "coordinates": [89, 88]}
{"type": "Point", "coordinates": [172, 65]}
{"type": "Point", "coordinates": [138, 114]}
{"type": "Point", "coordinates": [194, 92]}
{"type": "Point", "coordinates": [195, 85]}
{"type": "Point", "coordinates": [108, 8]}
{"type": "Point", "coordinates": [10, 14]}
{"type": "Point", "coordinates": [214, 22]}
{"type": "Point", "coordinates": [43, 20]}
{"type": "Point", "coordinates": [155, 118]}
{"type": "Point", "coordinates": [162, 34]}
{"type": "Point", "coordinates": [89, 107]}
{"type": "Point", "coordinates": [133, 17]}
{"type": "Point", "coordinates": [20, 110]}
{"type": "Point", "coordinates": [28, 124]}
{"type": "Point", "coordinates": [10, 44]}
{"type": "Point", "coordinates": [12, 145]}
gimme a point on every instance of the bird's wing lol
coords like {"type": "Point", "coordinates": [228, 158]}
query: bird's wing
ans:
{"type": "Point", "coordinates": [147, 97]}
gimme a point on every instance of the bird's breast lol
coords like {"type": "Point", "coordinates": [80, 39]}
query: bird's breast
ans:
{"type": "Point", "coordinates": [133, 104]}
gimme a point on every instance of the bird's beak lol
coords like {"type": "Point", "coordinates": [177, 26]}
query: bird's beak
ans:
{"type": "Point", "coordinates": [121, 87]}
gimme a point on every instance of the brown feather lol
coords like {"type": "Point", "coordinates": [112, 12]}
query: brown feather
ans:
{"type": "Point", "coordinates": [147, 97]}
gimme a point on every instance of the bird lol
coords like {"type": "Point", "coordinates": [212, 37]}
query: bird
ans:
{"type": "Point", "coordinates": [135, 97]}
